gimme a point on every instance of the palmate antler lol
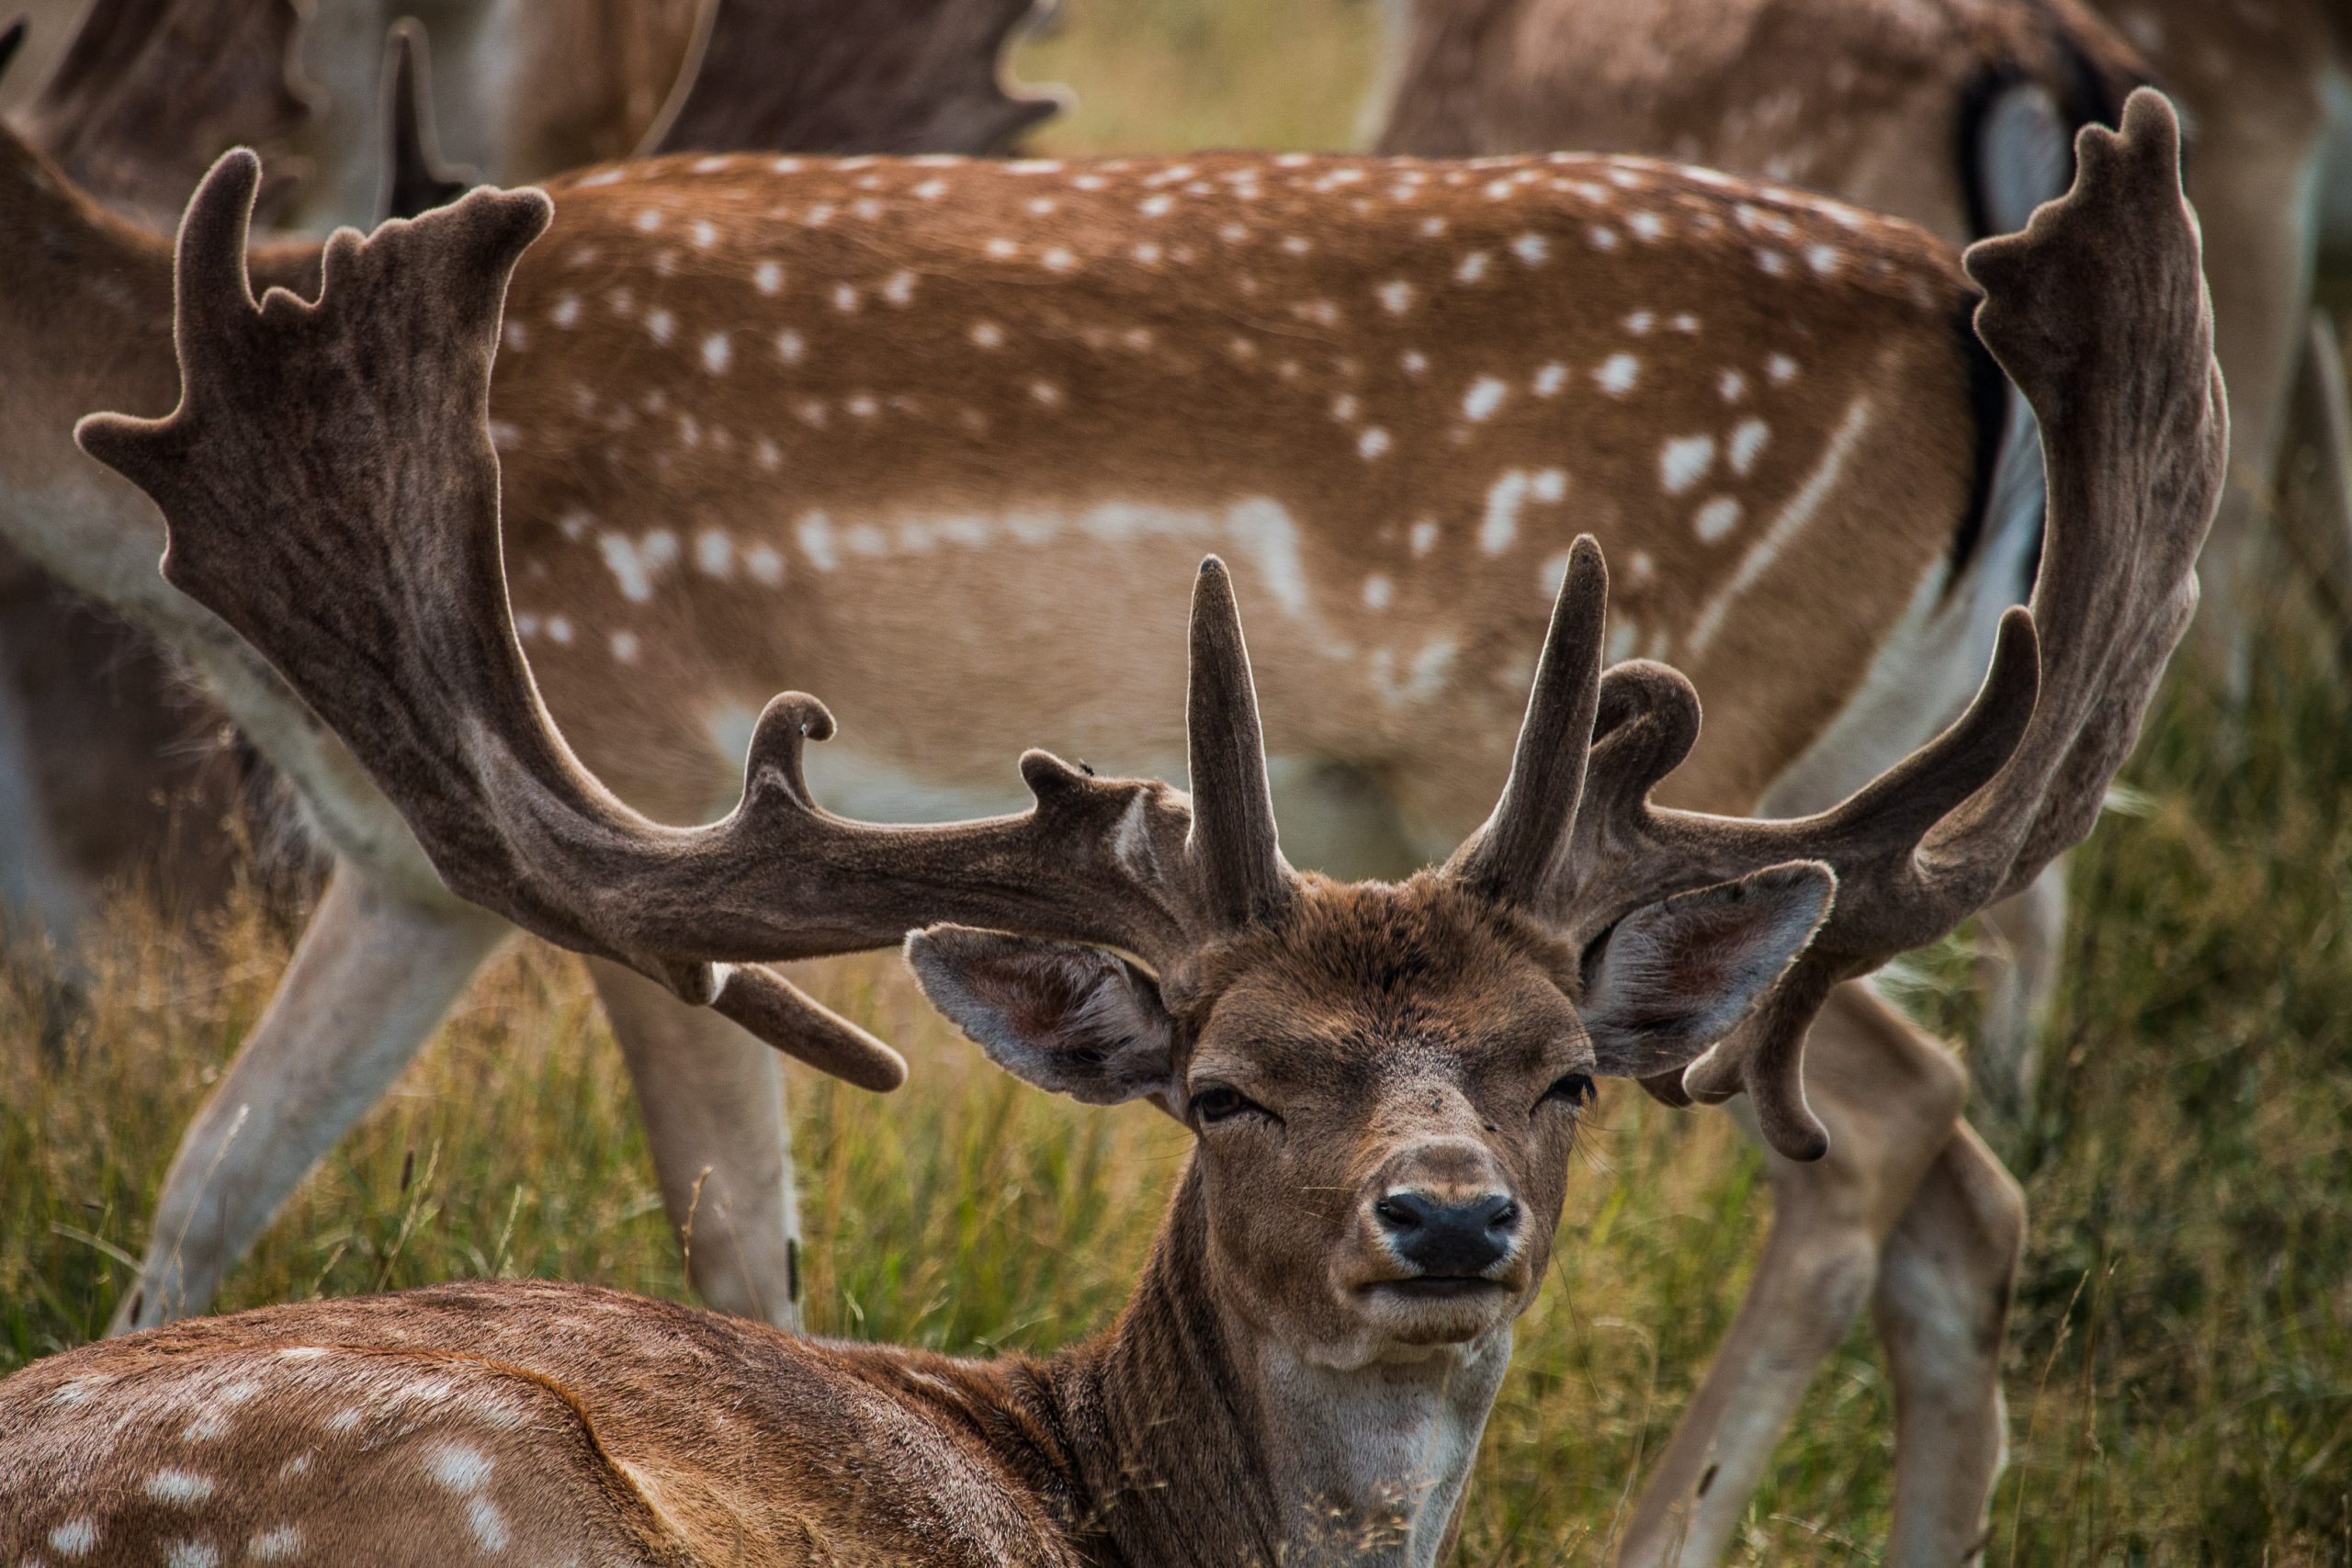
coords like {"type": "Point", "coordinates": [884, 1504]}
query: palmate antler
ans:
{"type": "Point", "coordinates": [2099, 312]}
{"type": "Point", "coordinates": [822, 76]}
{"type": "Point", "coordinates": [331, 491]}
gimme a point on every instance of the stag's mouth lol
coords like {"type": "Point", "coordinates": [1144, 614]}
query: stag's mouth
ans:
{"type": "Point", "coordinates": [1437, 1287]}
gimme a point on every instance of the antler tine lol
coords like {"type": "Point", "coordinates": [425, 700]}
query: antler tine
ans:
{"type": "Point", "coordinates": [882, 76]}
{"type": "Point", "coordinates": [331, 491]}
{"type": "Point", "coordinates": [1514, 856]}
{"type": "Point", "coordinates": [1233, 847]}
{"type": "Point", "coordinates": [416, 178]}
{"type": "Point", "coordinates": [12, 38]}
{"type": "Point", "coordinates": [2097, 311]}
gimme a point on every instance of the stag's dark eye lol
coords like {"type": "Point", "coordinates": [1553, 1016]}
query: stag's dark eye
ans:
{"type": "Point", "coordinates": [1574, 1089]}
{"type": "Point", "coordinates": [1219, 1103]}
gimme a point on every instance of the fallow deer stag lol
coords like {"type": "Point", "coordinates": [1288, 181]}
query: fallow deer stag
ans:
{"type": "Point", "coordinates": [1958, 115]}
{"type": "Point", "coordinates": [813, 423]}
{"type": "Point", "coordinates": [1383, 1079]}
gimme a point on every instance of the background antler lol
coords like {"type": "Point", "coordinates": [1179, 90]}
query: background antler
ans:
{"type": "Point", "coordinates": [331, 491]}
{"type": "Point", "coordinates": [416, 177]}
{"type": "Point", "coordinates": [878, 76]}
{"type": "Point", "coordinates": [2098, 311]}
{"type": "Point", "coordinates": [150, 89]}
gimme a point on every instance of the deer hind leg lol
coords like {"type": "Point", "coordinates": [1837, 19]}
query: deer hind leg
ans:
{"type": "Point", "coordinates": [2017, 978]}
{"type": "Point", "coordinates": [713, 1101]}
{"type": "Point", "coordinates": [1891, 1097]}
{"type": "Point", "coordinates": [371, 977]}
{"type": "Point", "coordinates": [1942, 1311]}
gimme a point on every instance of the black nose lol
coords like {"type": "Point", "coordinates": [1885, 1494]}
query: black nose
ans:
{"type": "Point", "coordinates": [1449, 1238]}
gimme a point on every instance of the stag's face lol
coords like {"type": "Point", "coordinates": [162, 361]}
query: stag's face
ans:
{"type": "Point", "coordinates": [1384, 1093]}
{"type": "Point", "coordinates": [1385, 1084]}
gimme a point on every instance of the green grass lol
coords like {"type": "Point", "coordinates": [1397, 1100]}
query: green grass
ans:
{"type": "Point", "coordinates": [2180, 1359]}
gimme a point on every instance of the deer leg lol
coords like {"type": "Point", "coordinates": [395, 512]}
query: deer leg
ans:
{"type": "Point", "coordinates": [713, 1101]}
{"type": "Point", "coordinates": [372, 976]}
{"type": "Point", "coordinates": [2017, 978]}
{"type": "Point", "coordinates": [1942, 1311]}
{"type": "Point", "coordinates": [1890, 1097]}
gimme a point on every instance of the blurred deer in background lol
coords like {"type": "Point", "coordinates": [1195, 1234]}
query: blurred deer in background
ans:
{"type": "Point", "coordinates": [152, 786]}
{"type": "Point", "coordinates": [1383, 1079]}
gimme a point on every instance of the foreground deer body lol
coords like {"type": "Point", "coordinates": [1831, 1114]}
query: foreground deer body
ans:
{"type": "Point", "coordinates": [1411, 1054]}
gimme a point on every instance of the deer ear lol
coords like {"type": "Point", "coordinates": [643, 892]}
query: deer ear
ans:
{"type": "Point", "coordinates": [1675, 976]}
{"type": "Point", "coordinates": [1068, 1018]}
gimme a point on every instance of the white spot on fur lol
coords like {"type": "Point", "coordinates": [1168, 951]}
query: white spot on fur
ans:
{"type": "Point", "coordinates": [559, 631]}
{"type": "Point", "coordinates": [1550, 379]}
{"type": "Point", "coordinates": [1531, 249]}
{"type": "Point", "coordinates": [1684, 461]}
{"type": "Point", "coordinates": [988, 335]}
{"type": "Point", "coordinates": [1272, 535]}
{"type": "Point", "coordinates": [1823, 259]}
{"type": "Point", "coordinates": [1377, 591]}
{"type": "Point", "coordinates": [1781, 369]}
{"type": "Point", "coordinates": [1716, 519]}
{"type": "Point", "coordinates": [1045, 393]}
{"type": "Point", "coordinates": [1058, 259]}
{"type": "Point", "coordinates": [1148, 253]}
{"type": "Point", "coordinates": [625, 646]}
{"type": "Point", "coordinates": [74, 1537]}
{"type": "Point", "coordinates": [1603, 238]}
{"type": "Point", "coordinates": [1485, 395]}
{"type": "Point", "coordinates": [764, 564]}
{"type": "Point", "coordinates": [1551, 574]}
{"type": "Point", "coordinates": [1499, 529]}
{"type": "Point", "coordinates": [705, 232]}
{"type": "Point", "coordinates": [1424, 537]}
{"type": "Point", "coordinates": [275, 1545]}
{"type": "Point", "coordinates": [1157, 205]}
{"type": "Point", "coordinates": [1771, 263]}
{"type": "Point", "coordinates": [1471, 268]}
{"type": "Point", "coordinates": [930, 190]}
{"type": "Point", "coordinates": [1415, 362]}
{"type": "Point", "coordinates": [815, 534]}
{"type": "Point", "coordinates": [518, 338]}
{"type": "Point", "coordinates": [182, 1486]}
{"type": "Point", "coordinates": [715, 352]}
{"type": "Point", "coordinates": [649, 219]}
{"type": "Point", "coordinates": [1732, 385]}
{"type": "Point", "coordinates": [1646, 225]}
{"type": "Point", "coordinates": [1640, 323]}
{"type": "Point", "coordinates": [1422, 681]}
{"type": "Point", "coordinates": [844, 298]}
{"type": "Point", "coordinates": [192, 1554]}
{"type": "Point", "coordinates": [1747, 439]}
{"type": "Point", "coordinates": [488, 1525]}
{"type": "Point", "coordinates": [1395, 296]}
{"type": "Point", "coordinates": [458, 1467]}
{"type": "Point", "coordinates": [1548, 484]}
{"type": "Point", "coordinates": [567, 310]}
{"type": "Point", "coordinates": [715, 554]}
{"type": "Point", "coordinates": [768, 277]}
{"type": "Point", "coordinates": [1618, 373]}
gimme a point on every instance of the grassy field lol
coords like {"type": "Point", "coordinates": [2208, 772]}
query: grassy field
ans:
{"type": "Point", "coordinates": [2180, 1374]}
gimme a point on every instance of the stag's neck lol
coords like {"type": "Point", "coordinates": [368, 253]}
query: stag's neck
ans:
{"type": "Point", "coordinates": [1190, 1439]}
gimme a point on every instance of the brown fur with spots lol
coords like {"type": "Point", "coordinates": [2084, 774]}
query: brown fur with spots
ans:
{"type": "Point", "coordinates": [1338, 1049]}
{"type": "Point", "coordinates": [1876, 103]}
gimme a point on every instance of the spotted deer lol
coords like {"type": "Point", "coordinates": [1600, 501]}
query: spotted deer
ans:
{"type": "Point", "coordinates": [1383, 1079]}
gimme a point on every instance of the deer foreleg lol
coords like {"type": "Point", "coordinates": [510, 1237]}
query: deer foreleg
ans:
{"type": "Point", "coordinates": [1891, 1098]}
{"type": "Point", "coordinates": [1942, 1310]}
{"type": "Point", "coordinates": [372, 976]}
{"type": "Point", "coordinates": [713, 1101]}
{"type": "Point", "coordinates": [2018, 977]}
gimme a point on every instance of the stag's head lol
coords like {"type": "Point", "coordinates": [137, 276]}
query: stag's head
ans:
{"type": "Point", "coordinates": [1385, 1079]}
